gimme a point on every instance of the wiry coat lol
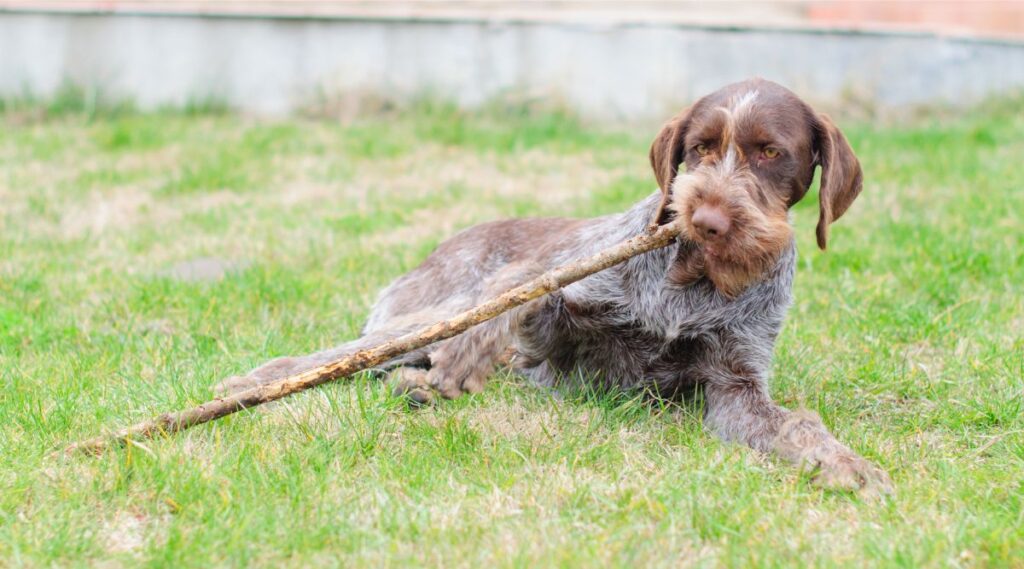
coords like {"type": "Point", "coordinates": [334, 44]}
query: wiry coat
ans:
{"type": "Point", "coordinates": [702, 313]}
{"type": "Point", "coordinates": [628, 326]}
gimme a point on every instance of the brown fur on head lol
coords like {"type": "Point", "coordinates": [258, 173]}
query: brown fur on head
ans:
{"type": "Point", "coordinates": [749, 150]}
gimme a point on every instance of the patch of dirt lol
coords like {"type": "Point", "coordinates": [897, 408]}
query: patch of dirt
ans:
{"type": "Point", "coordinates": [128, 532]}
{"type": "Point", "coordinates": [550, 178]}
{"type": "Point", "coordinates": [101, 212]}
{"type": "Point", "coordinates": [926, 358]}
{"type": "Point", "coordinates": [515, 420]}
{"type": "Point", "coordinates": [204, 269]}
{"type": "Point", "coordinates": [553, 181]}
{"type": "Point", "coordinates": [132, 206]}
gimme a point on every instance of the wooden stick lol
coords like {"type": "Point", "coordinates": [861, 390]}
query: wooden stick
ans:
{"type": "Point", "coordinates": [370, 357]}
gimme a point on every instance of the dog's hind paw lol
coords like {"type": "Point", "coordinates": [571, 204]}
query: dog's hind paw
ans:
{"type": "Point", "coordinates": [412, 383]}
{"type": "Point", "coordinates": [847, 471]}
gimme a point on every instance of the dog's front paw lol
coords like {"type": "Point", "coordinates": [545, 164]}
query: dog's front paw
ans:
{"type": "Point", "coordinates": [804, 440]}
{"type": "Point", "coordinates": [847, 471]}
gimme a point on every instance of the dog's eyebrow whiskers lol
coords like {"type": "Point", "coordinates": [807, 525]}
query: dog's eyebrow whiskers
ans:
{"type": "Point", "coordinates": [729, 163]}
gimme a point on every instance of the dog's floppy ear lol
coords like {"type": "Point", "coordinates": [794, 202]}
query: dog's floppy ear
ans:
{"type": "Point", "coordinates": [667, 153]}
{"type": "Point", "coordinates": [841, 176]}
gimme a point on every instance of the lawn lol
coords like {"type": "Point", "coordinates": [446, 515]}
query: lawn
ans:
{"type": "Point", "coordinates": [143, 257]}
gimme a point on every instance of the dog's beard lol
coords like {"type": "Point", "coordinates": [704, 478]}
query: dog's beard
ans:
{"type": "Point", "coordinates": [749, 252]}
{"type": "Point", "coordinates": [729, 277]}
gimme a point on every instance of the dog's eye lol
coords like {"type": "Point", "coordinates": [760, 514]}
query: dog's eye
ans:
{"type": "Point", "coordinates": [701, 149]}
{"type": "Point", "coordinates": [769, 153]}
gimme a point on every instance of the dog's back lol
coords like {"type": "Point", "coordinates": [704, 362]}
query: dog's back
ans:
{"type": "Point", "coordinates": [455, 276]}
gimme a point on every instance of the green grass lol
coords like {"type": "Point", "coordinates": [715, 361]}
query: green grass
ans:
{"type": "Point", "coordinates": [907, 336]}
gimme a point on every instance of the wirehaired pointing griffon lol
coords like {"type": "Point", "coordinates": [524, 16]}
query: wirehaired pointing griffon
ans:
{"type": "Point", "coordinates": [702, 313]}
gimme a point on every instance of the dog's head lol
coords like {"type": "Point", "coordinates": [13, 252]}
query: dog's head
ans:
{"type": "Point", "coordinates": [749, 150]}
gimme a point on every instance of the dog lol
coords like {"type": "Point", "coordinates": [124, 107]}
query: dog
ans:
{"type": "Point", "coordinates": [703, 313]}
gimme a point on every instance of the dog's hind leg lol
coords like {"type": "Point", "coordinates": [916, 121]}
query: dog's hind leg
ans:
{"type": "Point", "coordinates": [411, 382]}
{"type": "Point", "coordinates": [280, 368]}
{"type": "Point", "coordinates": [462, 364]}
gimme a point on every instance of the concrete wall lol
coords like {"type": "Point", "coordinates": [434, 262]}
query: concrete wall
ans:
{"type": "Point", "coordinates": [625, 71]}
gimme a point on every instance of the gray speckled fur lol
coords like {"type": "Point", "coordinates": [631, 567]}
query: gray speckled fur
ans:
{"type": "Point", "coordinates": [639, 325]}
{"type": "Point", "coordinates": [626, 326]}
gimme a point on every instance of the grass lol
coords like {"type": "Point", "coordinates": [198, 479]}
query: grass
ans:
{"type": "Point", "coordinates": [907, 336]}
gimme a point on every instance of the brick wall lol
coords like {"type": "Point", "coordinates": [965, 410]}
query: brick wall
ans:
{"type": "Point", "coordinates": [980, 17]}
{"type": "Point", "coordinates": [998, 18]}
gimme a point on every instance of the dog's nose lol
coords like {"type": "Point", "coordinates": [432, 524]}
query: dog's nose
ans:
{"type": "Point", "coordinates": [710, 222]}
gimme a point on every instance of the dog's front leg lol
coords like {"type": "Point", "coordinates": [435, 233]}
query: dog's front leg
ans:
{"type": "Point", "coordinates": [738, 408]}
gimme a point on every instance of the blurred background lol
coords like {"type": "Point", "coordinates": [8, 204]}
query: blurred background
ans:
{"type": "Point", "coordinates": [609, 60]}
{"type": "Point", "coordinates": [188, 189]}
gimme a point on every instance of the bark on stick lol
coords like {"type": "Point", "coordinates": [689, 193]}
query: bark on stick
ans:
{"type": "Point", "coordinates": [546, 283]}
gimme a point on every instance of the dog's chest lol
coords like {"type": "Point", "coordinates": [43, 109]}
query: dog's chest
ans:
{"type": "Point", "coordinates": [632, 325]}
{"type": "Point", "coordinates": [608, 341]}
